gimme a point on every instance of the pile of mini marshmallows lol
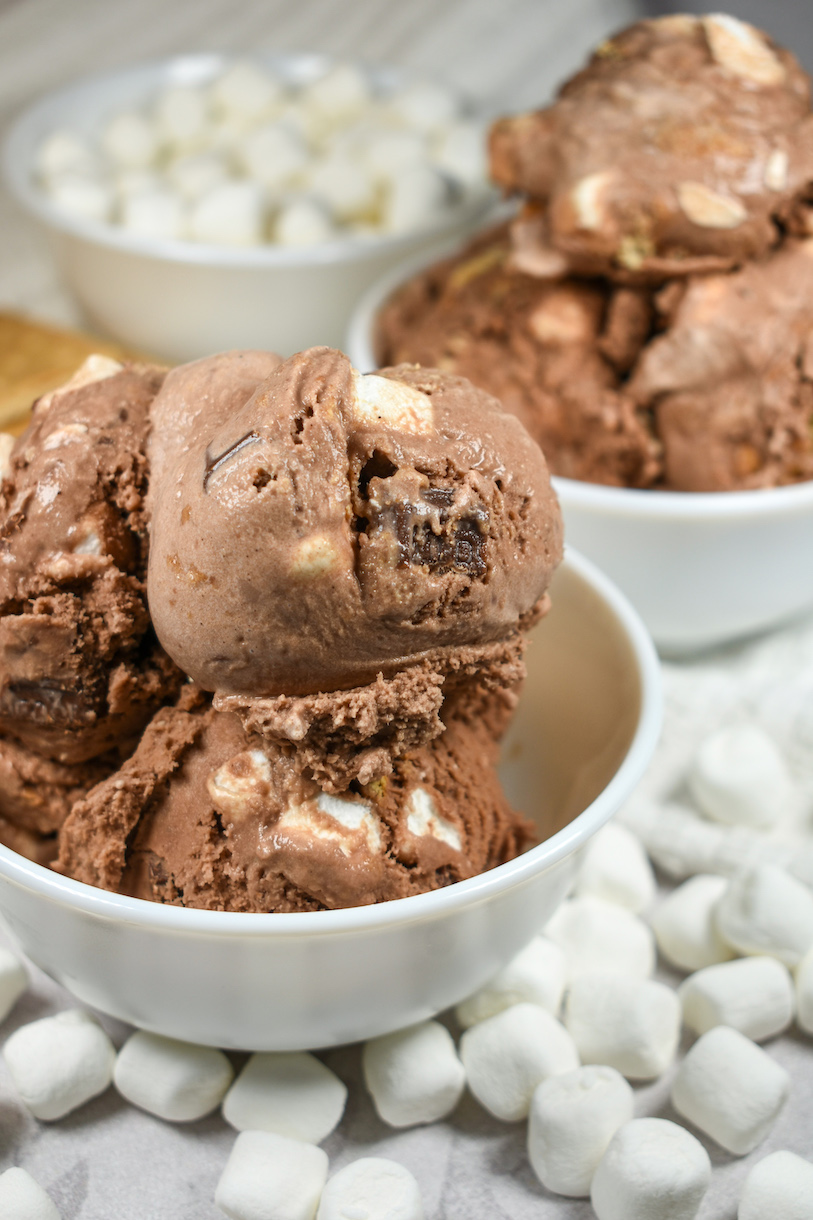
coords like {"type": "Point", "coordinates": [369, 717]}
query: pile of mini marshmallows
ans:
{"type": "Point", "coordinates": [554, 1038]}
{"type": "Point", "coordinates": [247, 160]}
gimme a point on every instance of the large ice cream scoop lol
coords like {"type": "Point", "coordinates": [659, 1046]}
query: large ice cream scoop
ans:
{"type": "Point", "coordinates": [341, 526]}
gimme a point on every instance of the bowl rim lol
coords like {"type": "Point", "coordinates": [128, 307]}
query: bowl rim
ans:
{"type": "Point", "coordinates": [647, 503]}
{"type": "Point", "coordinates": [18, 171]}
{"type": "Point", "coordinates": [90, 901]}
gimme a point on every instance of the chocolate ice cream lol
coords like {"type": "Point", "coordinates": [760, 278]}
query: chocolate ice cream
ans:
{"type": "Point", "coordinates": [205, 815]}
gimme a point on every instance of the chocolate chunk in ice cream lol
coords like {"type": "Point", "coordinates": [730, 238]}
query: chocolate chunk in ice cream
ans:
{"type": "Point", "coordinates": [680, 147]}
{"type": "Point", "coordinates": [80, 669]}
{"type": "Point", "coordinates": [205, 815]}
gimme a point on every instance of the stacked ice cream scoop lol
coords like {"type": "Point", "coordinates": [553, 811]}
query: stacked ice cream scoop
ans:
{"type": "Point", "coordinates": [648, 313]}
{"type": "Point", "coordinates": [262, 628]}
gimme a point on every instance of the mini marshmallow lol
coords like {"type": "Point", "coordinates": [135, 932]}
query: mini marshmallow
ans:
{"type": "Point", "coordinates": [507, 1056]}
{"type": "Point", "coordinates": [7, 443]}
{"type": "Point", "coordinates": [652, 1170]}
{"type": "Point", "coordinates": [84, 197]}
{"type": "Point", "coordinates": [303, 222]}
{"type": "Point", "coordinates": [615, 867]}
{"type": "Point", "coordinates": [21, 1198]}
{"type": "Point", "coordinates": [340, 95]}
{"type": "Point", "coordinates": [181, 116]}
{"type": "Point", "coordinates": [344, 187]}
{"type": "Point", "coordinates": [424, 105]}
{"type": "Point", "coordinates": [416, 194]}
{"type": "Point", "coordinates": [274, 155]}
{"type": "Point", "coordinates": [174, 1080]}
{"type": "Point", "coordinates": [59, 1063]}
{"type": "Point", "coordinates": [192, 176]}
{"type": "Point", "coordinates": [804, 992]}
{"type": "Point", "coordinates": [130, 140]}
{"type": "Point", "coordinates": [571, 1122]}
{"type": "Point", "coordinates": [387, 153]}
{"type": "Point", "coordinates": [685, 926]}
{"type": "Point", "coordinates": [246, 92]}
{"type": "Point", "coordinates": [754, 995]}
{"type": "Point", "coordinates": [765, 910]}
{"type": "Point", "coordinates": [600, 937]}
{"type": "Point", "coordinates": [780, 1187]}
{"type": "Point", "coordinates": [154, 214]}
{"type": "Point", "coordinates": [414, 1075]}
{"type": "Point", "coordinates": [65, 152]}
{"type": "Point", "coordinates": [729, 1088]}
{"type": "Point", "coordinates": [13, 977]}
{"type": "Point", "coordinates": [371, 1188]}
{"type": "Point", "coordinates": [287, 1093]}
{"type": "Point", "coordinates": [631, 1024]}
{"type": "Point", "coordinates": [460, 150]}
{"type": "Point", "coordinates": [739, 777]}
{"type": "Point", "coordinates": [230, 214]}
{"type": "Point", "coordinates": [269, 1177]}
{"type": "Point", "coordinates": [535, 975]}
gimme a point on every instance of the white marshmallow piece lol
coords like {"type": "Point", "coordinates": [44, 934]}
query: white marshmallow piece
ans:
{"type": "Point", "coordinates": [387, 153]}
{"type": "Point", "coordinates": [685, 927]}
{"type": "Point", "coordinates": [66, 152]}
{"type": "Point", "coordinates": [157, 213]}
{"type": "Point", "coordinates": [416, 196]}
{"type": "Point", "coordinates": [130, 140]}
{"type": "Point", "coordinates": [246, 92]}
{"type": "Point", "coordinates": [194, 175]}
{"type": "Point", "coordinates": [174, 1080]}
{"type": "Point", "coordinates": [424, 106]}
{"type": "Point", "coordinates": [600, 937]}
{"type": "Point", "coordinates": [652, 1170]}
{"type": "Point", "coordinates": [507, 1056]}
{"type": "Point", "coordinates": [754, 995]}
{"type": "Point", "coordinates": [780, 1187]}
{"type": "Point", "coordinates": [804, 992]}
{"type": "Point", "coordinates": [766, 911]}
{"type": "Point", "coordinates": [303, 222]}
{"type": "Point", "coordinates": [615, 867]}
{"type": "Point", "coordinates": [21, 1198]}
{"type": "Point", "coordinates": [59, 1063]}
{"type": "Point", "coordinates": [631, 1024]}
{"type": "Point", "coordinates": [536, 976]}
{"type": "Point", "coordinates": [274, 155]}
{"type": "Point", "coordinates": [729, 1088]}
{"type": "Point", "coordinates": [414, 1075]}
{"type": "Point", "coordinates": [13, 977]}
{"type": "Point", "coordinates": [338, 96]}
{"type": "Point", "coordinates": [83, 197]}
{"type": "Point", "coordinates": [571, 1122]}
{"type": "Point", "coordinates": [287, 1093]}
{"type": "Point", "coordinates": [739, 777]}
{"type": "Point", "coordinates": [344, 187]}
{"type": "Point", "coordinates": [181, 117]}
{"type": "Point", "coordinates": [460, 151]}
{"type": "Point", "coordinates": [269, 1177]}
{"type": "Point", "coordinates": [230, 214]}
{"type": "Point", "coordinates": [371, 1188]}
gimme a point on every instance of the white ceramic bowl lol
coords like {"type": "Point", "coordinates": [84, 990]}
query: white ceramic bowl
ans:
{"type": "Point", "coordinates": [701, 568]}
{"type": "Point", "coordinates": [183, 300]}
{"type": "Point", "coordinates": [587, 725]}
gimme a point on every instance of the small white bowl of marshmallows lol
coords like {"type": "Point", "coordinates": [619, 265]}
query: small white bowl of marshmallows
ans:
{"type": "Point", "coordinates": [201, 203]}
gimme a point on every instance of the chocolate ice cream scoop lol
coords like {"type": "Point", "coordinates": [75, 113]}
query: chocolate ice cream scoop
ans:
{"type": "Point", "coordinates": [342, 526]}
{"type": "Point", "coordinates": [679, 148]}
{"type": "Point", "coordinates": [80, 669]}
{"type": "Point", "coordinates": [205, 815]}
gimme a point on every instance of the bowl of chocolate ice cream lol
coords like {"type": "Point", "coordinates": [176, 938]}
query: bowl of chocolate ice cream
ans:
{"type": "Point", "coordinates": [646, 311]}
{"type": "Point", "coordinates": [296, 749]}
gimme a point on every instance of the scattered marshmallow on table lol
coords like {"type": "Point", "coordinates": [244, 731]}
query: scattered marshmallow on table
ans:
{"type": "Point", "coordinates": [13, 981]}
{"type": "Point", "coordinates": [766, 911]}
{"type": "Point", "coordinates": [21, 1198]}
{"type": "Point", "coordinates": [615, 867]}
{"type": "Point", "coordinates": [535, 975]}
{"type": "Point", "coordinates": [571, 1122]}
{"type": "Point", "coordinates": [413, 1075]}
{"type": "Point", "coordinates": [288, 1093]}
{"type": "Point", "coordinates": [507, 1056]}
{"type": "Point", "coordinates": [685, 927]}
{"type": "Point", "coordinates": [270, 1177]}
{"type": "Point", "coordinates": [780, 1187]}
{"type": "Point", "coordinates": [739, 777]}
{"type": "Point", "coordinates": [175, 1080]}
{"type": "Point", "coordinates": [59, 1063]}
{"type": "Point", "coordinates": [804, 992]}
{"type": "Point", "coordinates": [652, 1170]}
{"type": "Point", "coordinates": [731, 1089]}
{"type": "Point", "coordinates": [754, 995]}
{"type": "Point", "coordinates": [631, 1024]}
{"type": "Point", "coordinates": [601, 937]}
{"type": "Point", "coordinates": [371, 1188]}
